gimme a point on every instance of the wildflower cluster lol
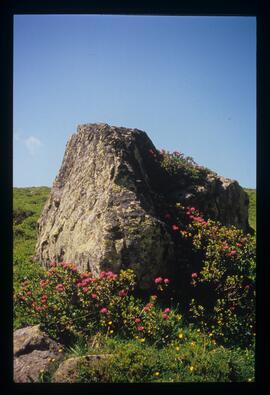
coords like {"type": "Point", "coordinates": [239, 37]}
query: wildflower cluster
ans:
{"type": "Point", "coordinates": [68, 303]}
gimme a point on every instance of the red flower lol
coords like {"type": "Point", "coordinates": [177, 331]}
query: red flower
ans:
{"type": "Point", "coordinates": [166, 280]}
{"type": "Point", "coordinates": [85, 290]}
{"type": "Point", "coordinates": [194, 275]}
{"type": "Point", "coordinates": [167, 310]}
{"type": "Point", "coordinates": [44, 298]}
{"type": "Point", "coordinates": [232, 253]}
{"type": "Point", "coordinates": [94, 296]}
{"type": "Point", "coordinates": [104, 310]}
{"type": "Point", "coordinates": [239, 244]}
{"type": "Point", "coordinates": [158, 280]}
{"type": "Point", "coordinates": [140, 328]}
{"type": "Point", "coordinates": [175, 227]}
{"type": "Point", "coordinates": [165, 316]}
{"type": "Point", "coordinates": [137, 320]}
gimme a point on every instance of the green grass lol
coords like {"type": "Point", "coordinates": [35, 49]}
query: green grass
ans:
{"type": "Point", "coordinates": [189, 361]}
{"type": "Point", "coordinates": [252, 207]}
{"type": "Point", "coordinates": [27, 206]}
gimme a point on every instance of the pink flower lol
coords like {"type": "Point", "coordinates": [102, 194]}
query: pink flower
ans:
{"type": "Point", "coordinates": [158, 280]}
{"type": "Point", "coordinates": [29, 293]}
{"type": "Point", "coordinates": [166, 280]}
{"type": "Point", "coordinates": [165, 316]}
{"type": "Point", "coordinates": [194, 275]}
{"type": "Point", "coordinates": [94, 296]}
{"type": "Point", "coordinates": [44, 298]}
{"type": "Point", "coordinates": [122, 293]}
{"type": "Point", "coordinates": [146, 308]}
{"type": "Point", "coordinates": [175, 227]}
{"type": "Point", "coordinates": [151, 152]}
{"type": "Point", "coordinates": [104, 310]}
{"type": "Point", "coordinates": [85, 290]}
{"type": "Point", "coordinates": [137, 320]}
{"type": "Point", "coordinates": [167, 310]}
{"type": "Point", "coordinates": [192, 209]}
{"type": "Point", "coordinates": [239, 244]}
{"type": "Point", "coordinates": [42, 283]}
{"type": "Point", "coordinates": [232, 253]}
{"type": "Point", "coordinates": [52, 264]}
{"type": "Point", "coordinates": [60, 287]}
{"type": "Point", "coordinates": [140, 328]}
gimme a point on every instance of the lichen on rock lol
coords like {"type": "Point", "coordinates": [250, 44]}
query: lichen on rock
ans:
{"type": "Point", "coordinates": [103, 211]}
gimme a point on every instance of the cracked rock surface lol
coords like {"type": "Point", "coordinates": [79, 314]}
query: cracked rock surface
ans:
{"type": "Point", "coordinates": [103, 210]}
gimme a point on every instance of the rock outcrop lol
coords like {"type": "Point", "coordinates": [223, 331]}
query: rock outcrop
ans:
{"type": "Point", "coordinates": [67, 372]}
{"type": "Point", "coordinates": [104, 208]}
{"type": "Point", "coordinates": [33, 353]}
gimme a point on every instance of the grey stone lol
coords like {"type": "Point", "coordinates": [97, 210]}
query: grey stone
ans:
{"type": "Point", "coordinates": [33, 351]}
{"type": "Point", "coordinates": [100, 217]}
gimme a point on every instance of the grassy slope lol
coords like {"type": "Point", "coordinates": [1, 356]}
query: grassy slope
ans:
{"type": "Point", "coordinates": [27, 206]}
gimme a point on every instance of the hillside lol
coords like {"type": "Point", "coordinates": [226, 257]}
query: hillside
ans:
{"type": "Point", "coordinates": [27, 206]}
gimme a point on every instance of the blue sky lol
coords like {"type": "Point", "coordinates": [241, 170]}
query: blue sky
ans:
{"type": "Point", "coordinates": [189, 82]}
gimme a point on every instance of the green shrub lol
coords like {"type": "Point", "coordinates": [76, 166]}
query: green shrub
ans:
{"type": "Point", "coordinates": [185, 361]}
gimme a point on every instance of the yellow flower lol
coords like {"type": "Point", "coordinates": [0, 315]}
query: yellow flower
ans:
{"type": "Point", "coordinates": [41, 371]}
{"type": "Point", "coordinates": [142, 340]}
{"type": "Point", "coordinates": [191, 368]}
{"type": "Point", "coordinates": [111, 331]}
{"type": "Point", "coordinates": [198, 330]}
{"type": "Point", "coordinates": [180, 335]}
{"type": "Point", "coordinates": [156, 373]}
{"type": "Point", "coordinates": [110, 323]}
{"type": "Point", "coordinates": [178, 205]}
{"type": "Point", "coordinates": [60, 350]}
{"type": "Point", "coordinates": [210, 334]}
{"type": "Point", "coordinates": [177, 348]}
{"type": "Point", "coordinates": [249, 380]}
{"type": "Point", "coordinates": [193, 344]}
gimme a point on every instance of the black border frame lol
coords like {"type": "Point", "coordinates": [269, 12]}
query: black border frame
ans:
{"type": "Point", "coordinates": [188, 8]}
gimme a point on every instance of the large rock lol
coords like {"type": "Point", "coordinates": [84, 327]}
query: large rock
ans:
{"type": "Point", "coordinates": [104, 208]}
{"type": "Point", "coordinates": [33, 352]}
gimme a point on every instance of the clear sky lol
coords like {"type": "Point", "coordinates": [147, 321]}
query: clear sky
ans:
{"type": "Point", "coordinates": [189, 82]}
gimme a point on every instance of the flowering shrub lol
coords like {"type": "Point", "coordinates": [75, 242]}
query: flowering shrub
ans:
{"type": "Point", "coordinates": [223, 281]}
{"type": "Point", "coordinates": [176, 164]}
{"type": "Point", "coordinates": [68, 303]}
